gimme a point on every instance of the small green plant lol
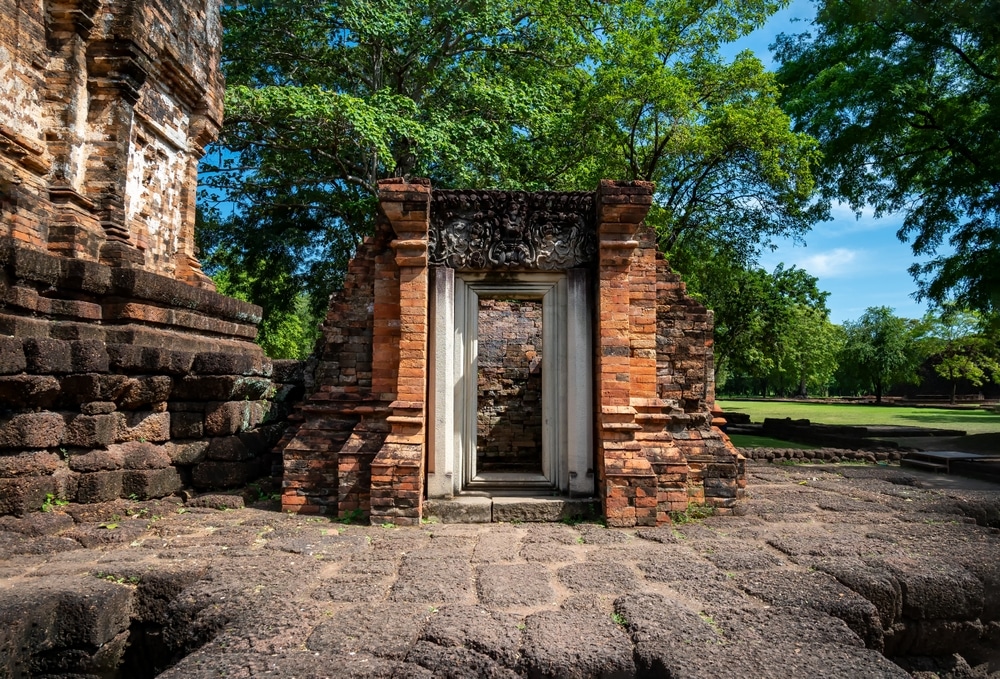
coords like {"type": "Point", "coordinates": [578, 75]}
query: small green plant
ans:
{"type": "Point", "coordinates": [619, 619]}
{"type": "Point", "coordinates": [388, 524]}
{"type": "Point", "coordinates": [426, 520]}
{"type": "Point", "coordinates": [710, 621]}
{"type": "Point", "coordinates": [521, 626]}
{"type": "Point", "coordinates": [109, 526]}
{"type": "Point", "coordinates": [355, 515]}
{"type": "Point", "coordinates": [133, 497]}
{"type": "Point", "coordinates": [260, 494]}
{"type": "Point", "coordinates": [118, 579]}
{"type": "Point", "coordinates": [580, 540]}
{"type": "Point", "coordinates": [694, 512]}
{"type": "Point", "coordinates": [53, 501]}
{"type": "Point", "coordinates": [588, 515]}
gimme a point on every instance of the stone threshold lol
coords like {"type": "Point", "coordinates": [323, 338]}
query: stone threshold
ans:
{"type": "Point", "coordinates": [511, 508]}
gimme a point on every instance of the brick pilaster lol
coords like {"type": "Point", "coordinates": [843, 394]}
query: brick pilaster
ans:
{"type": "Point", "coordinates": [625, 477]}
{"type": "Point", "coordinates": [397, 472]}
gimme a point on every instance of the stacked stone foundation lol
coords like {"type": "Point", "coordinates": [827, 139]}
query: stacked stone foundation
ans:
{"type": "Point", "coordinates": [120, 383]}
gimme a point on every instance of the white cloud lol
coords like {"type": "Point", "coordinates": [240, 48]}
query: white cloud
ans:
{"type": "Point", "coordinates": [831, 264]}
{"type": "Point", "coordinates": [846, 222]}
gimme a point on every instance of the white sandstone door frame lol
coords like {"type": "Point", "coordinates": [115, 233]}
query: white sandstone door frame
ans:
{"type": "Point", "coordinates": [567, 383]}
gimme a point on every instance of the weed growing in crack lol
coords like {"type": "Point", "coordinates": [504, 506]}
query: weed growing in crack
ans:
{"type": "Point", "coordinates": [53, 501]}
{"type": "Point", "coordinates": [693, 512]}
{"type": "Point", "coordinates": [619, 619]}
{"type": "Point", "coordinates": [351, 516]}
{"type": "Point", "coordinates": [118, 579]}
{"type": "Point", "coordinates": [710, 621]}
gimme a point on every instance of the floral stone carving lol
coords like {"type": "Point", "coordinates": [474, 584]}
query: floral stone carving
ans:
{"type": "Point", "coordinates": [480, 230]}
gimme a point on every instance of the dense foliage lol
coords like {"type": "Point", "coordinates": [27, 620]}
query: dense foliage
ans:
{"type": "Point", "coordinates": [772, 329]}
{"type": "Point", "coordinates": [904, 97]}
{"type": "Point", "coordinates": [880, 350]}
{"type": "Point", "coordinates": [961, 347]}
{"type": "Point", "coordinates": [325, 97]}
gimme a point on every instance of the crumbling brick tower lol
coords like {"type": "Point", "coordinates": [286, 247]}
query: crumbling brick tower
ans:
{"type": "Point", "coordinates": [627, 389]}
{"type": "Point", "coordinates": [122, 372]}
{"type": "Point", "coordinates": [105, 109]}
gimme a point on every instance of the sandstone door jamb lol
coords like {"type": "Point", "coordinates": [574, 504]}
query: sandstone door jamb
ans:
{"type": "Point", "coordinates": [567, 400]}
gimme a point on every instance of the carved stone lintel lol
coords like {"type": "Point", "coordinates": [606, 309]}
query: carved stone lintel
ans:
{"type": "Point", "coordinates": [482, 230]}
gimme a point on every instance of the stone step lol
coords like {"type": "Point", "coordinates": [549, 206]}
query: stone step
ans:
{"type": "Point", "coordinates": [925, 465]}
{"type": "Point", "coordinates": [520, 509]}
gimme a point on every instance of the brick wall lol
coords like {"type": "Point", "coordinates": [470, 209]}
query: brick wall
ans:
{"type": "Point", "coordinates": [121, 372]}
{"type": "Point", "coordinates": [359, 439]}
{"type": "Point", "coordinates": [705, 469]}
{"type": "Point", "coordinates": [509, 407]}
{"type": "Point", "coordinates": [339, 428]}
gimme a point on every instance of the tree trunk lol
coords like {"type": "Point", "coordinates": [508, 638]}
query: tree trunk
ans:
{"type": "Point", "coordinates": [954, 389]}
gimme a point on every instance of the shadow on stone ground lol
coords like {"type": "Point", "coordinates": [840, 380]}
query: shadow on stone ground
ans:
{"type": "Point", "coordinates": [983, 444]}
{"type": "Point", "coordinates": [831, 571]}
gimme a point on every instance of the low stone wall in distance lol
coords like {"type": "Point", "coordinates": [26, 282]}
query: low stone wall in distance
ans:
{"type": "Point", "coordinates": [120, 383]}
{"type": "Point", "coordinates": [820, 455]}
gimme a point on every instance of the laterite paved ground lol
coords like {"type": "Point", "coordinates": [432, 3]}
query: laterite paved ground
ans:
{"type": "Point", "coordinates": [829, 567]}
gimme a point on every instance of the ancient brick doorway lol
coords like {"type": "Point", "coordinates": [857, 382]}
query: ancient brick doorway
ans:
{"type": "Point", "coordinates": [627, 384]}
{"type": "Point", "coordinates": [462, 458]}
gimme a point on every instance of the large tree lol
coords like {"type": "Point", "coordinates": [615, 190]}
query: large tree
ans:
{"type": "Point", "coordinates": [880, 350]}
{"type": "Point", "coordinates": [772, 329]}
{"type": "Point", "coordinates": [904, 96]}
{"type": "Point", "coordinates": [325, 97]}
{"type": "Point", "coordinates": [709, 132]}
{"type": "Point", "coordinates": [960, 346]}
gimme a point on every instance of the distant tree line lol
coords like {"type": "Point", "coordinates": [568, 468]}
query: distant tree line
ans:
{"type": "Point", "coordinates": [877, 354]}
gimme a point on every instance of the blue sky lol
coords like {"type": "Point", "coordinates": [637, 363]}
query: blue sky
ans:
{"type": "Point", "coordinates": [860, 262]}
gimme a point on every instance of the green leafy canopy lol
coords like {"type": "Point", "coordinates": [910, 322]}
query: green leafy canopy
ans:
{"type": "Point", "coordinates": [904, 97]}
{"type": "Point", "coordinates": [326, 97]}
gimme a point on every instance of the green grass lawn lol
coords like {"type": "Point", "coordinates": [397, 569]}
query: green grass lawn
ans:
{"type": "Point", "coordinates": [971, 421]}
{"type": "Point", "coordinates": [747, 441]}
